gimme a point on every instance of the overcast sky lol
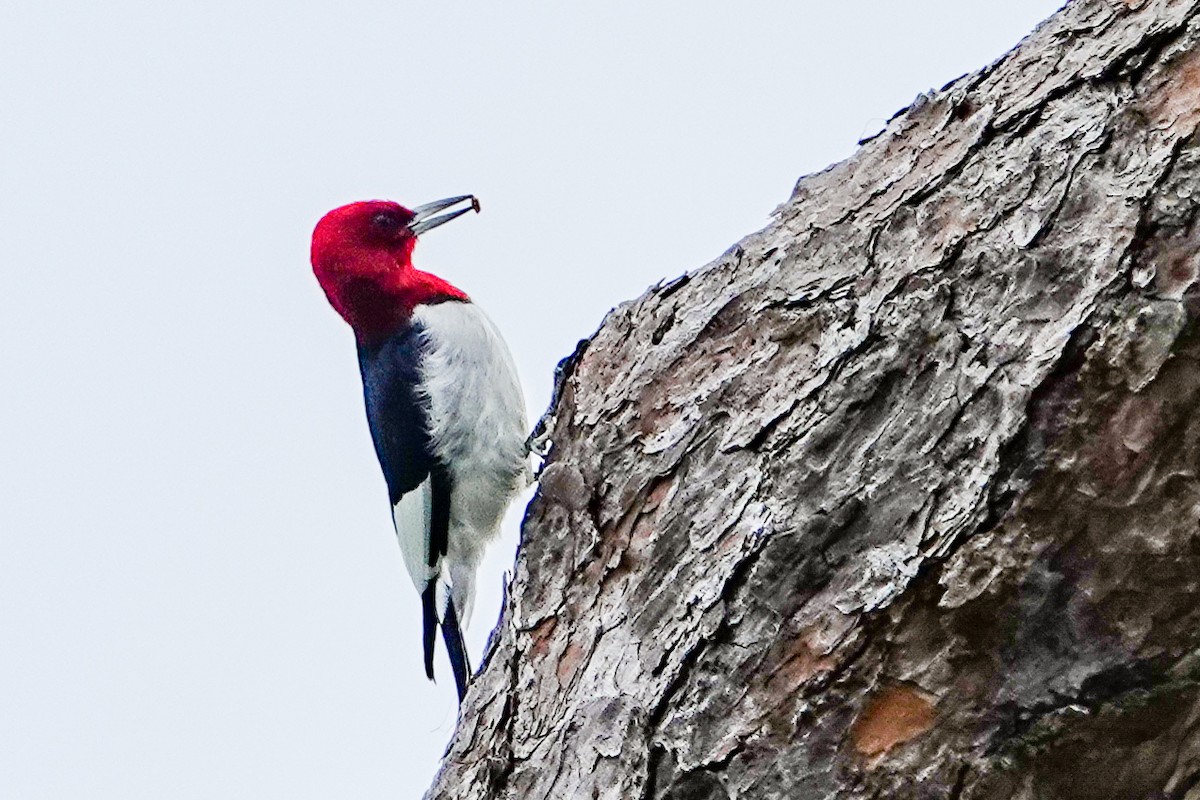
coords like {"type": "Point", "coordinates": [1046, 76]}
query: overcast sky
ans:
{"type": "Point", "coordinates": [200, 593]}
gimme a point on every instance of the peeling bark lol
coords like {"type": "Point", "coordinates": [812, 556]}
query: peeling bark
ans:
{"type": "Point", "coordinates": [899, 497]}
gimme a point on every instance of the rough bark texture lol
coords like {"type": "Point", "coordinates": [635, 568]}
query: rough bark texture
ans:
{"type": "Point", "coordinates": [899, 497]}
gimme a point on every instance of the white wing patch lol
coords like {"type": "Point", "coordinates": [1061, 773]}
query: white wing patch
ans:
{"type": "Point", "coordinates": [412, 514]}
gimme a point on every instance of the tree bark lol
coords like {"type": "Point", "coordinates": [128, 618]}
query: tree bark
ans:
{"type": "Point", "coordinates": [899, 497]}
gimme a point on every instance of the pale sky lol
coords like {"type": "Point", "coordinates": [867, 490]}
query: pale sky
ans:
{"type": "Point", "coordinates": [200, 592]}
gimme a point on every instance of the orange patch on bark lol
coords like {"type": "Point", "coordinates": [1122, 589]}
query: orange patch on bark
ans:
{"type": "Point", "coordinates": [569, 664]}
{"type": "Point", "coordinates": [542, 634]}
{"type": "Point", "coordinates": [893, 716]}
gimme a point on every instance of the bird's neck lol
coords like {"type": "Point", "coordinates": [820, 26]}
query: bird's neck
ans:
{"type": "Point", "coordinates": [378, 307]}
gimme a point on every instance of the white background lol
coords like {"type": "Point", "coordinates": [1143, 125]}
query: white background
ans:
{"type": "Point", "coordinates": [200, 594]}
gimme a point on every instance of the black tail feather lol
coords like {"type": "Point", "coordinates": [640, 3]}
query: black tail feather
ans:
{"type": "Point", "coordinates": [455, 648]}
{"type": "Point", "coordinates": [429, 618]}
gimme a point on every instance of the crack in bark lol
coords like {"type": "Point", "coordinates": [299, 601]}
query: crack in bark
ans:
{"type": "Point", "coordinates": [1146, 228]}
{"type": "Point", "coordinates": [960, 782]}
{"type": "Point", "coordinates": [1020, 458]}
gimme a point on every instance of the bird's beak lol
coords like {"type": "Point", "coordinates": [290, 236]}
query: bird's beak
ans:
{"type": "Point", "coordinates": [424, 219]}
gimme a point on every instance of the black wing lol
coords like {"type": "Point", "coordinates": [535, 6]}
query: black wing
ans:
{"type": "Point", "coordinates": [399, 425]}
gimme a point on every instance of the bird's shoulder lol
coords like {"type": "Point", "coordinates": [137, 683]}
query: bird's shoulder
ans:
{"type": "Point", "coordinates": [455, 323]}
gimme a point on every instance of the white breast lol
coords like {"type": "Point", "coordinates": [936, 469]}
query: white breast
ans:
{"type": "Point", "coordinates": [477, 427]}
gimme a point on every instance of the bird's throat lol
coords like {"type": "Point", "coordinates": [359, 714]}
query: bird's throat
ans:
{"type": "Point", "coordinates": [373, 310]}
{"type": "Point", "coordinates": [376, 309]}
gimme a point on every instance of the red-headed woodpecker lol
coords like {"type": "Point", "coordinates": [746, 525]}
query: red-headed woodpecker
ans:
{"type": "Point", "coordinates": [443, 402]}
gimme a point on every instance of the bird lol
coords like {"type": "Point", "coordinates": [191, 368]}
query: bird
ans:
{"type": "Point", "coordinates": [444, 404]}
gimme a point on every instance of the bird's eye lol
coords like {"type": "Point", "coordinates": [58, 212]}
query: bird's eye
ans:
{"type": "Point", "coordinates": [385, 221]}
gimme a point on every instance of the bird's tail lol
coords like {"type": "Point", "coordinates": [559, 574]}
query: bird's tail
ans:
{"type": "Point", "coordinates": [456, 649]}
{"type": "Point", "coordinates": [430, 621]}
{"type": "Point", "coordinates": [451, 634]}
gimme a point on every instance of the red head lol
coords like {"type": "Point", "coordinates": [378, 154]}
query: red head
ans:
{"type": "Point", "coordinates": [362, 257]}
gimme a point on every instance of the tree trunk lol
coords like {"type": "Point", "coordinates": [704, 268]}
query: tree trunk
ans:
{"type": "Point", "coordinates": [899, 497]}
